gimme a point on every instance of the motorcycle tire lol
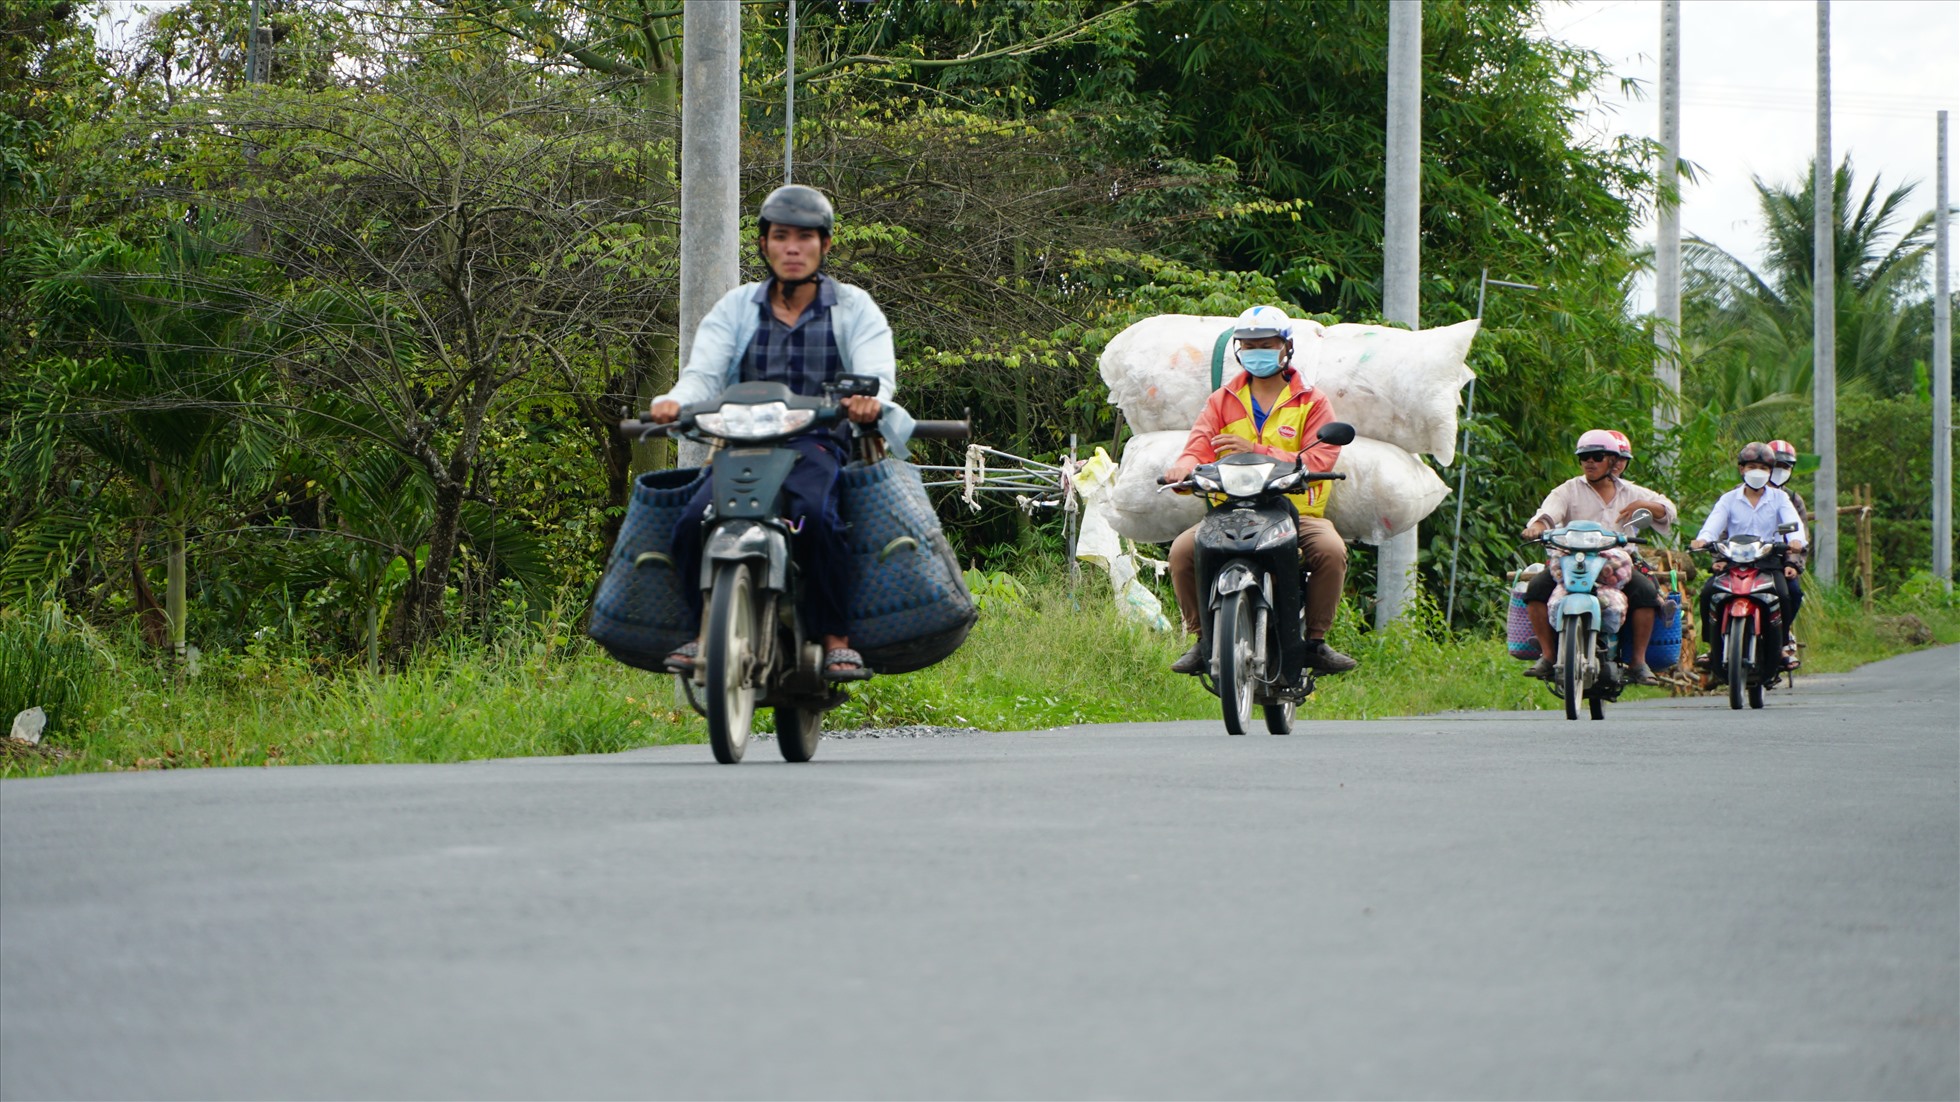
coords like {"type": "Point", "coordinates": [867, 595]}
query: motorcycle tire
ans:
{"type": "Point", "coordinates": [797, 731]}
{"type": "Point", "coordinates": [1756, 694]}
{"type": "Point", "coordinates": [1570, 641]}
{"type": "Point", "coordinates": [1736, 649]}
{"type": "Point", "coordinates": [1232, 636]}
{"type": "Point", "coordinates": [1596, 704]}
{"type": "Point", "coordinates": [729, 646]}
{"type": "Point", "coordinates": [1279, 718]}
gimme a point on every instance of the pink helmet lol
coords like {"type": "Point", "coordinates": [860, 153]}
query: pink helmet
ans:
{"type": "Point", "coordinates": [1603, 440]}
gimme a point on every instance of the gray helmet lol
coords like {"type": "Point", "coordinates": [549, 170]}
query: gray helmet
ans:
{"type": "Point", "coordinates": [1755, 452]}
{"type": "Point", "coordinates": [796, 205]}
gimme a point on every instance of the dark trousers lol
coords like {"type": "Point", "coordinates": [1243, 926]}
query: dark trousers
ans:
{"type": "Point", "coordinates": [812, 500]}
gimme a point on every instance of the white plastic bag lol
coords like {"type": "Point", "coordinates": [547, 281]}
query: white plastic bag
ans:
{"type": "Point", "coordinates": [1098, 543]}
{"type": "Point", "coordinates": [1392, 385]}
{"type": "Point", "coordinates": [1138, 510]}
{"type": "Point", "coordinates": [1387, 491]}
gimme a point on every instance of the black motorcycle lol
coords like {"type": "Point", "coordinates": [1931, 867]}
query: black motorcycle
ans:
{"type": "Point", "coordinates": [1248, 564]}
{"type": "Point", "coordinates": [755, 650]}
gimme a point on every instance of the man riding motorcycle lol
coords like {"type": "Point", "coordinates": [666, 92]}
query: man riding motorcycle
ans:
{"type": "Point", "coordinates": [1267, 409]}
{"type": "Point", "coordinates": [803, 329]}
{"type": "Point", "coordinates": [1754, 509]}
{"type": "Point", "coordinates": [1600, 495]}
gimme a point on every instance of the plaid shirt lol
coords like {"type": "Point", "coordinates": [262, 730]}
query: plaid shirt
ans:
{"type": "Point", "coordinates": [802, 357]}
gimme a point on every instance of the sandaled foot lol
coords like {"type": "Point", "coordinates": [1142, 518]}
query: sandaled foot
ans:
{"type": "Point", "coordinates": [1541, 669]}
{"type": "Point", "coordinates": [1642, 675]}
{"type": "Point", "coordinates": [682, 660]}
{"type": "Point", "coordinates": [844, 664]}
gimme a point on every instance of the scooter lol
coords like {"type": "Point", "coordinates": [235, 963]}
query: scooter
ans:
{"type": "Point", "coordinates": [1248, 563]}
{"type": "Point", "coordinates": [755, 648]}
{"type": "Point", "coordinates": [1744, 597]}
{"type": "Point", "coordinates": [1586, 666]}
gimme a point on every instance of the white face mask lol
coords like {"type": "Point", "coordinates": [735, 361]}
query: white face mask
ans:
{"type": "Point", "coordinates": [1779, 476]}
{"type": "Point", "coordinates": [1756, 479]}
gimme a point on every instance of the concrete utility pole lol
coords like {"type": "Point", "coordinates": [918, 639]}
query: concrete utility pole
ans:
{"type": "Point", "coordinates": [711, 193]}
{"type": "Point", "coordinates": [1942, 376]}
{"type": "Point", "coordinates": [1823, 309]}
{"type": "Point", "coordinates": [1395, 563]}
{"type": "Point", "coordinates": [1667, 246]}
{"type": "Point", "coordinates": [789, 95]}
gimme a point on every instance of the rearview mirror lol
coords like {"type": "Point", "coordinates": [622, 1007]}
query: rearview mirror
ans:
{"type": "Point", "coordinates": [1336, 432]}
{"type": "Point", "coordinates": [1641, 520]}
{"type": "Point", "coordinates": [1785, 529]}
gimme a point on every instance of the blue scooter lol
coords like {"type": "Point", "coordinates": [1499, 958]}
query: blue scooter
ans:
{"type": "Point", "coordinates": [1586, 662]}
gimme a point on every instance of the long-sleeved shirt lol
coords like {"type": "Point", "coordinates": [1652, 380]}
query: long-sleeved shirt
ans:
{"type": "Point", "coordinates": [1734, 517]}
{"type": "Point", "coordinates": [1575, 499]}
{"type": "Point", "coordinates": [863, 338]}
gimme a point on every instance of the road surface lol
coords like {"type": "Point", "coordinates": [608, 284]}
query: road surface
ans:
{"type": "Point", "coordinates": [1680, 902]}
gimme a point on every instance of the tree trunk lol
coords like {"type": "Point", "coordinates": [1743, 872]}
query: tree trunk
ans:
{"type": "Point", "coordinates": [173, 593]}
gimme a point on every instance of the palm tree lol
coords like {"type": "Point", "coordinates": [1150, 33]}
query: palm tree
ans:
{"type": "Point", "coordinates": [1747, 333]}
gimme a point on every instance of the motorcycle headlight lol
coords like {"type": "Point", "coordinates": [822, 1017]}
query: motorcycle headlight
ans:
{"type": "Point", "coordinates": [1742, 552]}
{"type": "Point", "coordinates": [1244, 479]}
{"type": "Point", "coordinates": [1585, 541]}
{"type": "Point", "coordinates": [765, 419]}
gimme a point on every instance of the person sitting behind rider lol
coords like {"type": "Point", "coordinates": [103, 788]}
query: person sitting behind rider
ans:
{"type": "Point", "coordinates": [803, 329]}
{"type": "Point", "coordinates": [1755, 510]}
{"type": "Point", "coordinates": [1267, 409]}
{"type": "Point", "coordinates": [1600, 495]}
{"type": "Point", "coordinates": [1785, 455]}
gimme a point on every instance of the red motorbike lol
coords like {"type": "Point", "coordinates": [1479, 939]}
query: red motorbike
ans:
{"type": "Point", "coordinates": [1742, 603]}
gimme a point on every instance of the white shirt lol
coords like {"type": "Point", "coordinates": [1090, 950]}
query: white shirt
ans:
{"type": "Point", "coordinates": [1575, 499]}
{"type": "Point", "coordinates": [1734, 518]}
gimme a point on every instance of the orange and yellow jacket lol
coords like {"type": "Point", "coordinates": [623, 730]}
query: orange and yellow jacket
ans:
{"type": "Point", "coordinates": [1289, 425]}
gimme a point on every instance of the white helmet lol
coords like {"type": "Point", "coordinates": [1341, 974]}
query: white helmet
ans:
{"type": "Point", "coordinates": [1263, 321]}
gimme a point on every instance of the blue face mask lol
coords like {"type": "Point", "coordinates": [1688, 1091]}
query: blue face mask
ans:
{"type": "Point", "coordinates": [1261, 362]}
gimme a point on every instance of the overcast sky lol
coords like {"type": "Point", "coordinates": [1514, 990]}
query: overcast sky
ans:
{"type": "Point", "coordinates": [1749, 88]}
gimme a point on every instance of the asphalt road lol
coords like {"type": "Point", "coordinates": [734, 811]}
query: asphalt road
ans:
{"type": "Point", "coordinates": [1679, 902]}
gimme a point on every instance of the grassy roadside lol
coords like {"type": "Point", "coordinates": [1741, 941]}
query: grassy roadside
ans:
{"type": "Point", "coordinates": [1044, 659]}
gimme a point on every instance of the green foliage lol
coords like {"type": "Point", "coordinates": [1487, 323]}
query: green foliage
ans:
{"type": "Point", "coordinates": [47, 661]}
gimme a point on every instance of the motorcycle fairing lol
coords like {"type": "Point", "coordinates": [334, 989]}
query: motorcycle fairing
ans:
{"type": "Point", "coordinates": [748, 482]}
{"type": "Point", "coordinates": [748, 541]}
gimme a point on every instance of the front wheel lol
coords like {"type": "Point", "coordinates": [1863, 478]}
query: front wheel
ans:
{"type": "Point", "coordinates": [1737, 648]}
{"type": "Point", "coordinates": [1571, 643]}
{"type": "Point", "coordinates": [1232, 636]}
{"type": "Point", "coordinates": [730, 647]}
{"type": "Point", "coordinates": [797, 732]}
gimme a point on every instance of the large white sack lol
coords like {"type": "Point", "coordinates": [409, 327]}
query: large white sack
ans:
{"type": "Point", "coordinates": [1393, 385]}
{"type": "Point", "coordinates": [1137, 510]}
{"type": "Point", "coordinates": [1387, 491]}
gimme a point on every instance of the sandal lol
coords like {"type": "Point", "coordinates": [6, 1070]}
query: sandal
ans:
{"type": "Point", "coordinates": [852, 661]}
{"type": "Point", "coordinates": [682, 660]}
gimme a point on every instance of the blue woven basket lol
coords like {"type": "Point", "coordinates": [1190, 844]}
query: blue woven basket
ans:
{"type": "Point", "coordinates": [909, 607]}
{"type": "Point", "coordinates": [639, 615]}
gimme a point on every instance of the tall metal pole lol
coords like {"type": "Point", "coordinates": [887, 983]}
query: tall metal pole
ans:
{"type": "Point", "coordinates": [1667, 246]}
{"type": "Point", "coordinates": [789, 95]}
{"type": "Point", "coordinates": [252, 46]}
{"type": "Point", "coordinates": [1395, 563]}
{"type": "Point", "coordinates": [1942, 376]}
{"type": "Point", "coordinates": [1823, 309]}
{"type": "Point", "coordinates": [711, 136]}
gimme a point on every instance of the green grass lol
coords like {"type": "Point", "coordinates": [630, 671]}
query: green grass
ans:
{"type": "Point", "coordinates": [1040, 657]}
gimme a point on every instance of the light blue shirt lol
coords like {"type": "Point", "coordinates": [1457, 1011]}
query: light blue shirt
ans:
{"type": "Point", "coordinates": [864, 343]}
{"type": "Point", "coordinates": [1734, 518]}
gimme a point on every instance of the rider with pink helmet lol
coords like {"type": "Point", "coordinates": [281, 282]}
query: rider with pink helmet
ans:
{"type": "Point", "coordinates": [1598, 494]}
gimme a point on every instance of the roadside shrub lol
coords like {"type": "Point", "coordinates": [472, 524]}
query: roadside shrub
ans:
{"type": "Point", "coordinates": [49, 663]}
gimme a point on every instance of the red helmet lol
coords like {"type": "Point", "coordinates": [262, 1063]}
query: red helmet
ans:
{"type": "Point", "coordinates": [1603, 440]}
{"type": "Point", "coordinates": [1785, 453]}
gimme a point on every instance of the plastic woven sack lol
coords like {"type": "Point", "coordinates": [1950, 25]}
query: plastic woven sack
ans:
{"type": "Point", "coordinates": [640, 616]}
{"type": "Point", "coordinates": [909, 607]}
{"type": "Point", "coordinates": [1137, 510]}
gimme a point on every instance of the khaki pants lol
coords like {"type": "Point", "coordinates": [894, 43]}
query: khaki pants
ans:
{"type": "Point", "coordinates": [1321, 550]}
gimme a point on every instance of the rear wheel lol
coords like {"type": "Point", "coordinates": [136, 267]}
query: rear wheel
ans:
{"type": "Point", "coordinates": [1279, 718]}
{"type": "Point", "coordinates": [1232, 636]}
{"type": "Point", "coordinates": [1571, 680]}
{"type": "Point", "coordinates": [730, 653]}
{"type": "Point", "coordinates": [797, 732]}
{"type": "Point", "coordinates": [1737, 648]}
{"type": "Point", "coordinates": [1756, 694]}
{"type": "Point", "coordinates": [1596, 704]}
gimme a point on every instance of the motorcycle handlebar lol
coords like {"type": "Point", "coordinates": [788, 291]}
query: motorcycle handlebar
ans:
{"type": "Point", "coordinates": [941, 430]}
